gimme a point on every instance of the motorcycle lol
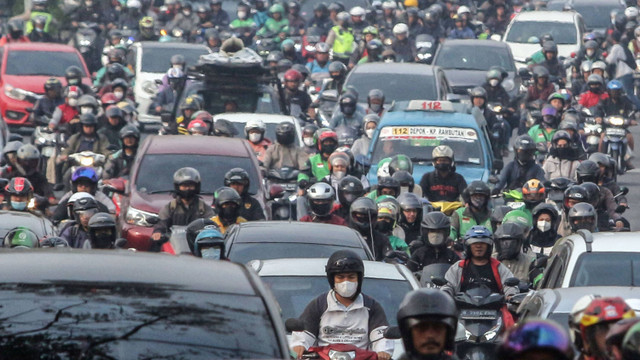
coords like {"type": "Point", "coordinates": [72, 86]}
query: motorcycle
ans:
{"type": "Point", "coordinates": [431, 272]}
{"type": "Point", "coordinates": [325, 106]}
{"type": "Point", "coordinates": [556, 189]}
{"type": "Point", "coordinates": [339, 352]}
{"type": "Point", "coordinates": [46, 140]}
{"type": "Point", "coordinates": [312, 36]}
{"type": "Point", "coordinates": [499, 131]}
{"type": "Point", "coordinates": [283, 186]}
{"type": "Point", "coordinates": [426, 47]}
{"type": "Point", "coordinates": [86, 40]}
{"type": "Point", "coordinates": [83, 159]}
{"type": "Point", "coordinates": [347, 135]}
{"type": "Point", "coordinates": [542, 150]}
{"type": "Point", "coordinates": [614, 142]}
{"type": "Point", "coordinates": [592, 132]}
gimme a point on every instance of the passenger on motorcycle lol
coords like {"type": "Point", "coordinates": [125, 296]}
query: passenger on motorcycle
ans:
{"type": "Point", "coordinates": [349, 189]}
{"type": "Point", "coordinates": [624, 73]}
{"type": "Point", "coordinates": [227, 203]}
{"type": "Point", "coordinates": [120, 162]}
{"type": "Point", "coordinates": [404, 48]}
{"type": "Point", "coordinates": [599, 316]}
{"type": "Point", "coordinates": [14, 33]}
{"type": "Point", "coordinates": [188, 107]}
{"type": "Point", "coordinates": [68, 111]}
{"type": "Point", "coordinates": [369, 124]}
{"type": "Point", "coordinates": [362, 217]}
{"type": "Point", "coordinates": [589, 171]}
{"type": "Point", "coordinates": [544, 234]}
{"type": "Point", "coordinates": [295, 96]}
{"type": "Point", "coordinates": [320, 201]}
{"type": "Point", "coordinates": [102, 232]}
{"type": "Point", "coordinates": [347, 114]}
{"type": "Point", "coordinates": [46, 105]}
{"type": "Point", "coordinates": [583, 216]}
{"type": "Point", "coordinates": [166, 98]}
{"type": "Point", "coordinates": [536, 339]}
{"type": "Point", "coordinates": [444, 183]}
{"type": "Point", "coordinates": [606, 177]}
{"type": "Point", "coordinates": [475, 212]}
{"type": "Point", "coordinates": [77, 234]}
{"type": "Point", "coordinates": [86, 140]}
{"type": "Point", "coordinates": [19, 192]}
{"type": "Point", "coordinates": [522, 168]}
{"type": "Point", "coordinates": [510, 238]}
{"type": "Point", "coordinates": [317, 166]}
{"type": "Point", "coordinates": [433, 245]}
{"type": "Point", "coordinates": [83, 180]}
{"type": "Point", "coordinates": [108, 73]}
{"type": "Point", "coordinates": [343, 314]}
{"type": "Point", "coordinates": [387, 222]}
{"type": "Point", "coordinates": [28, 165]}
{"type": "Point", "coordinates": [74, 75]}
{"type": "Point", "coordinates": [410, 216]}
{"type": "Point", "coordinates": [368, 34]}
{"type": "Point", "coordinates": [275, 23]}
{"type": "Point", "coordinates": [461, 30]}
{"type": "Point", "coordinates": [541, 88]}
{"type": "Point", "coordinates": [543, 132]}
{"type": "Point", "coordinates": [375, 102]}
{"type": "Point", "coordinates": [339, 167]}
{"type": "Point", "coordinates": [562, 160]}
{"type": "Point", "coordinates": [478, 97]}
{"type": "Point", "coordinates": [238, 179]}
{"type": "Point", "coordinates": [254, 133]}
{"type": "Point", "coordinates": [285, 152]}
{"type": "Point", "coordinates": [207, 244]}
{"type": "Point", "coordinates": [309, 139]}
{"type": "Point", "coordinates": [551, 62]}
{"type": "Point", "coordinates": [595, 94]}
{"type": "Point", "coordinates": [115, 123]}
{"type": "Point", "coordinates": [494, 89]}
{"type": "Point", "coordinates": [338, 73]}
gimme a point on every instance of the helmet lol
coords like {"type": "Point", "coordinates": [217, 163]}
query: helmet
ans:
{"type": "Point", "coordinates": [134, 4]}
{"type": "Point", "coordinates": [389, 4]}
{"type": "Point", "coordinates": [324, 136]}
{"type": "Point", "coordinates": [536, 334]}
{"type": "Point", "coordinates": [357, 11]}
{"type": "Point", "coordinates": [585, 67]}
{"type": "Point", "coordinates": [343, 17]}
{"type": "Point", "coordinates": [476, 187]}
{"type": "Point", "coordinates": [102, 231]}
{"type": "Point", "coordinates": [72, 92]}
{"type": "Point", "coordinates": [614, 85]}
{"type": "Point", "coordinates": [375, 94]}
{"type": "Point", "coordinates": [588, 171]}
{"type": "Point", "coordinates": [108, 99]}
{"type": "Point", "coordinates": [604, 310]}
{"type": "Point", "coordinates": [478, 91]}
{"type": "Point", "coordinates": [320, 198]}
{"type": "Point", "coordinates": [88, 100]}
{"type": "Point", "coordinates": [15, 27]}
{"type": "Point", "coordinates": [208, 239]}
{"type": "Point", "coordinates": [400, 28]}
{"type": "Point", "coordinates": [410, 201]}
{"type": "Point", "coordinates": [600, 158]}
{"type": "Point", "coordinates": [549, 46]}
{"type": "Point", "coordinates": [322, 47]}
{"type": "Point", "coordinates": [53, 84]}
{"type": "Point", "coordinates": [338, 158]}
{"type": "Point", "coordinates": [591, 44]}
{"type": "Point", "coordinates": [345, 261]}
{"type": "Point", "coordinates": [73, 75]}
{"type": "Point", "coordinates": [598, 65]}
{"type": "Point", "coordinates": [595, 79]}
{"type": "Point", "coordinates": [400, 162]}
{"type": "Point", "coordinates": [177, 59]}
{"type": "Point", "coordinates": [519, 217]}
{"type": "Point", "coordinates": [540, 71]}
{"type": "Point", "coordinates": [336, 6]}
{"type": "Point", "coordinates": [53, 242]}
{"type": "Point", "coordinates": [183, 176]}
{"type": "Point", "coordinates": [434, 228]}
{"type": "Point", "coordinates": [28, 158]}
{"type": "Point", "coordinates": [389, 183]}
{"type": "Point", "coordinates": [292, 75]}
{"type": "Point", "coordinates": [175, 73]}
{"type": "Point", "coordinates": [84, 203]}
{"type": "Point", "coordinates": [583, 216]}
{"type": "Point", "coordinates": [427, 305]}
{"type": "Point", "coordinates": [370, 30]}
{"type": "Point", "coordinates": [226, 195]}
{"type": "Point", "coordinates": [494, 74]}
{"type": "Point", "coordinates": [405, 179]}
{"type": "Point", "coordinates": [348, 103]}
{"type": "Point", "coordinates": [276, 8]}
{"type": "Point", "coordinates": [113, 111]}
{"type": "Point", "coordinates": [88, 120]}
{"type": "Point", "coordinates": [533, 187]}
{"type": "Point", "coordinates": [478, 234]}
{"type": "Point", "coordinates": [190, 103]}
{"type": "Point", "coordinates": [84, 173]}
{"type": "Point", "coordinates": [509, 238]}
{"type": "Point", "coordinates": [374, 47]}
{"type": "Point", "coordinates": [560, 135]}
{"type": "Point", "coordinates": [363, 212]}
{"type": "Point", "coordinates": [254, 124]}
{"type": "Point", "coordinates": [544, 207]}
{"type": "Point", "coordinates": [556, 95]}
{"type": "Point", "coordinates": [337, 67]}
{"type": "Point", "coordinates": [442, 151]}
{"type": "Point", "coordinates": [21, 237]}
{"type": "Point", "coordinates": [129, 130]}
{"type": "Point", "coordinates": [593, 193]}
{"type": "Point", "coordinates": [574, 192]}
{"type": "Point", "coordinates": [285, 133]}
{"type": "Point", "coordinates": [195, 227]}
{"type": "Point", "coordinates": [631, 12]}
{"type": "Point", "coordinates": [198, 127]}
{"type": "Point", "coordinates": [19, 186]}
{"type": "Point", "coordinates": [525, 148]}
{"type": "Point", "coordinates": [631, 343]}
{"type": "Point", "coordinates": [237, 176]}
{"type": "Point", "coordinates": [349, 189]}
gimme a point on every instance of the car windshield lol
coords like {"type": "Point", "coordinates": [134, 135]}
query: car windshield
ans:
{"type": "Point", "coordinates": [294, 293]}
{"type": "Point", "coordinates": [245, 252]}
{"type": "Point", "coordinates": [396, 87]}
{"type": "Point", "coordinates": [43, 63]}
{"type": "Point", "coordinates": [474, 58]}
{"type": "Point", "coordinates": [155, 172]}
{"type": "Point", "coordinates": [270, 132]}
{"type": "Point", "coordinates": [250, 99]}
{"type": "Point", "coordinates": [21, 219]}
{"type": "Point", "coordinates": [132, 321]}
{"type": "Point", "coordinates": [594, 14]}
{"type": "Point", "coordinates": [157, 59]}
{"type": "Point", "coordinates": [607, 269]}
{"type": "Point", "coordinates": [417, 142]}
{"type": "Point", "coordinates": [562, 32]}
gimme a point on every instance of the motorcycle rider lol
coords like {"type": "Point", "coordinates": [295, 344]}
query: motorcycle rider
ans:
{"type": "Point", "coordinates": [254, 133]}
{"type": "Point", "coordinates": [68, 111]}
{"type": "Point", "coordinates": [115, 123]}
{"type": "Point", "coordinates": [494, 89]}
{"type": "Point", "coordinates": [285, 152]}
{"type": "Point", "coordinates": [74, 75]}
{"type": "Point", "coordinates": [260, 12]}
{"type": "Point", "coordinates": [120, 162]}
{"type": "Point", "coordinates": [189, 106]}
{"type": "Point", "coordinates": [404, 48]}
{"type": "Point", "coordinates": [19, 192]}
{"type": "Point", "coordinates": [347, 113]}
{"type": "Point", "coordinates": [349, 189]}
{"type": "Point", "coordinates": [102, 232]}
{"type": "Point", "coordinates": [375, 102]}
{"type": "Point", "coordinates": [338, 73]}
{"type": "Point", "coordinates": [543, 132]}
{"type": "Point", "coordinates": [28, 165]}
{"type": "Point", "coordinates": [583, 216]}
{"type": "Point", "coordinates": [433, 244]}
{"type": "Point", "coordinates": [605, 178]}
{"type": "Point", "coordinates": [544, 234]}
{"type": "Point", "coordinates": [238, 179]}
{"type": "Point", "coordinates": [624, 73]}
{"type": "Point", "coordinates": [589, 171]}
{"type": "Point", "coordinates": [595, 323]}
{"type": "Point", "coordinates": [207, 244]}
{"type": "Point", "coordinates": [522, 168]}
{"type": "Point", "coordinates": [14, 33]}
{"type": "Point", "coordinates": [227, 204]}
{"type": "Point", "coordinates": [362, 217]}
{"type": "Point", "coordinates": [165, 100]}
{"type": "Point", "coordinates": [339, 167]}
{"type": "Point", "coordinates": [184, 208]}
{"type": "Point", "coordinates": [410, 215]}
{"type": "Point", "coordinates": [343, 314]}
{"type": "Point", "coordinates": [46, 105]}
{"type": "Point", "coordinates": [478, 97]}
{"type": "Point", "coordinates": [536, 339]}
{"type": "Point", "coordinates": [146, 25]}
{"type": "Point", "coordinates": [361, 145]}
{"type": "Point", "coordinates": [562, 160]}
{"type": "Point", "coordinates": [444, 183]}
{"type": "Point", "coordinates": [341, 38]}
{"type": "Point", "coordinates": [131, 15]}
{"type": "Point", "coordinates": [510, 238]}
{"type": "Point", "coordinates": [275, 24]}
{"type": "Point", "coordinates": [475, 212]}
{"type": "Point", "coordinates": [540, 90]}
{"type": "Point", "coordinates": [555, 67]}
{"type": "Point", "coordinates": [77, 234]}
{"type": "Point", "coordinates": [293, 94]}
{"type": "Point", "coordinates": [428, 319]}
{"type": "Point", "coordinates": [596, 92]}
{"type": "Point", "coordinates": [320, 63]}
{"type": "Point", "coordinates": [86, 140]}
{"type": "Point", "coordinates": [320, 18]}
{"type": "Point", "coordinates": [433, 27]}
{"type": "Point", "coordinates": [83, 180]}
{"type": "Point", "coordinates": [387, 222]}
{"type": "Point", "coordinates": [317, 166]}
{"type": "Point", "coordinates": [218, 16]}
{"type": "Point", "coordinates": [309, 139]}
{"type": "Point", "coordinates": [320, 199]}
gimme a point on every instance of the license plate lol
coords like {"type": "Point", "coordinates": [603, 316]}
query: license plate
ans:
{"type": "Point", "coordinates": [289, 187]}
{"type": "Point", "coordinates": [478, 314]}
{"type": "Point", "coordinates": [516, 205]}
{"type": "Point", "coordinates": [615, 132]}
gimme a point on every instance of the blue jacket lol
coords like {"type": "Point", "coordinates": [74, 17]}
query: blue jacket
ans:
{"type": "Point", "coordinates": [465, 33]}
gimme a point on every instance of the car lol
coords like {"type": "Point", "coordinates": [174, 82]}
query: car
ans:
{"type": "Point", "coordinates": [239, 120]}
{"type": "Point", "coordinates": [123, 304]}
{"type": "Point", "coordinates": [151, 182]}
{"type": "Point", "coordinates": [295, 282]}
{"type": "Point", "coordinates": [556, 304]}
{"type": "Point", "coordinates": [151, 60]}
{"type": "Point", "coordinates": [593, 259]}
{"type": "Point", "coordinates": [594, 12]}
{"type": "Point", "coordinates": [40, 226]}
{"type": "Point", "coordinates": [399, 81]}
{"type": "Point", "coordinates": [263, 240]}
{"type": "Point", "coordinates": [566, 27]}
{"type": "Point", "coordinates": [415, 127]}
{"type": "Point", "coordinates": [24, 70]}
{"type": "Point", "coordinates": [466, 62]}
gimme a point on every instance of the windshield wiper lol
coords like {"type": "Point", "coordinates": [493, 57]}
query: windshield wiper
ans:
{"type": "Point", "coordinates": [419, 159]}
{"type": "Point", "coordinates": [468, 162]}
{"type": "Point", "coordinates": [158, 191]}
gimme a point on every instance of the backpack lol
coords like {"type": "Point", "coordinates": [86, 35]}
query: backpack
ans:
{"type": "Point", "coordinates": [629, 59]}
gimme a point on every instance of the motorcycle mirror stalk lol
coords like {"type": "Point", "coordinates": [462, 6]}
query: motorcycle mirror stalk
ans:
{"type": "Point", "coordinates": [294, 324]}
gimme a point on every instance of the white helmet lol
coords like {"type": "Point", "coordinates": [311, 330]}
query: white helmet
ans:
{"type": "Point", "coordinates": [631, 12]}
{"type": "Point", "coordinates": [463, 10]}
{"type": "Point", "coordinates": [389, 5]}
{"type": "Point", "coordinates": [254, 124]}
{"type": "Point", "coordinates": [357, 11]}
{"type": "Point", "coordinates": [400, 28]}
{"type": "Point", "coordinates": [575, 316]}
{"type": "Point", "coordinates": [442, 151]}
{"type": "Point", "coordinates": [135, 4]}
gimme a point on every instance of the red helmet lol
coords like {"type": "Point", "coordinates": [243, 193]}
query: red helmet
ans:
{"type": "Point", "coordinates": [603, 310]}
{"type": "Point", "coordinates": [292, 75]}
{"type": "Point", "coordinates": [109, 99]}
{"type": "Point", "coordinates": [19, 186]}
{"type": "Point", "coordinates": [327, 134]}
{"type": "Point", "coordinates": [203, 115]}
{"type": "Point", "coordinates": [198, 126]}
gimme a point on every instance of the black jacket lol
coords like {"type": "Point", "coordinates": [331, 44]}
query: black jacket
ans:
{"type": "Point", "coordinates": [251, 209]}
{"type": "Point", "coordinates": [175, 213]}
{"type": "Point", "coordinates": [427, 255]}
{"type": "Point", "coordinates": [379, 244]}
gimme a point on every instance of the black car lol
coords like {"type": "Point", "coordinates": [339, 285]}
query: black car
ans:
{"type": "Point", "coordinates": [66, 303]}
{"type": "Point", "coordinates": [264, 240]}
{"type": "Point", "coordinates": [40, 226]}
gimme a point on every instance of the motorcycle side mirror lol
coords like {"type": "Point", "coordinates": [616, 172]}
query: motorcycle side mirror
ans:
{"type": "Point", "coordinates": [116, 185]}
{"type": "Point", "coordinates": [498, 164]}
{"type": "Point", "coordinates": [493, 179]}
{"type": "Point", "coordinates": [294, 324]}
{"type": "Point", "coordinates": [540, 262]}
{"type": "Point", "coordinates": [275, 191]}
{"type": "Point", "coordinates": [330, 95]}
{"type": "Point", "coordinates": [512, 281]}
{"type": "Point", "coordinates": [524, 73]}
{"type": "Point", "coordinates": [3, 182]}
{"type": "Point", "coordinates": [121, 243]}
{"type": "Point", "coordinates": [392, 333]}
{"type": "Point", "coordinates": [517, 298]}
{"type": "Point", "coordinates": [18, 137]}
{"type": "Point", "coordinates": [624, 190]}
{"type": "Point", "coordinates": [495, 37]}
{"type": "Point", "coordinates": [439, 281]}
{"type": "Point", "coordinates": [158, 81]}
{"type": "Point", "coordinates": [456, 98]}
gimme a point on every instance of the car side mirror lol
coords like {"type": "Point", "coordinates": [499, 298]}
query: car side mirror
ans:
{"type": "Point", "coordinates": [392, 333]}
{"type": "Point", "coordinates": [456, 98]}
{"type": "Point", "coordinates": [439, 281]}
{"type": "Point", "coordinates": [498, 164]}
{"type": "Point", "coordinates": [512, 281]}
{"type": "Point", "coordinates": [294, 324]}
{"type": "Point", "coordinates": [541, 262]}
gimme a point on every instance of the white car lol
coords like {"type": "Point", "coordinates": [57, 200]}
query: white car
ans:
{"type": "Point", "coordinates": [239, 120]}
{"type": "Point", "coordinates": [152, 60]}
{"type": "Point", "coordinates": [295, 282]}
{"type": "Point", "coordinates": [566, 27]}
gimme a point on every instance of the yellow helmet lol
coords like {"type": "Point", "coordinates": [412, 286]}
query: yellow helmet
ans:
{"type": "Point", "coordinates": [411, 3]}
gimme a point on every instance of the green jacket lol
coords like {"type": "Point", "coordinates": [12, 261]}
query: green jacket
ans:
{"type": "Point", "coordinates": [398, 244]}
{"type": "Point", "coordinates": [238, 24]}
{"type": "Point", "coordinates": [103, 71]}
{"type": "Point", "coordinates": [316, 167]}
{"type": "Point", "coordinates": [462, 220]}
{"type": "Point", "coordinates": [273, 27]}
{"type": "Point", "coordinates": [47, 24]}
{"type": "Point", "coordinates": [343, 43]}
{"type": "Point", "coordinates": [536, 58]}
{"type": "Point", "coordinates": [540, 134]}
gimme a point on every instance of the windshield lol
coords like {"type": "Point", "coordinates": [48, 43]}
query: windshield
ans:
{"type": "Point", "coordinates": [157, 59]}
{"type": "Point", "coordinates": [245, 252]}
{"type": "Point", "coordinates": [396, 87]}
{"type": "Point", "coordinates": [563, 33]}
{"type": "Point", "coordinates": [270, 132]}
{"type": "Point", "coordinates": [470, 58]}
{"type": "Point", "coordinates": [417, 142]}
{"type": "Point", "coordinates": [155, 172]}
{"type": "Point", "coordinates": [43, 63]}
{"type": "Point", "coordinates": [607, 269]}
{"type": "Point", "coordinates": [594, 14]}
{"type": "Point", "coordinates": [132, 321]}
{"type": "Point", "coordinates": [250, 99]}
{"type": "Point", "coordinates": [294, 293]}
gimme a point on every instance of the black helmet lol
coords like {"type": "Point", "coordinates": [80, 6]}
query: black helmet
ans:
{"type": "Point", "coordinates": [389, 182]}
{"type": "Point", "coordinates": [113, 111]}
{"type": "Point", "coordinates": [194, 228]}
{"type": "Point", "coordinates": [545, 207]}
{"type": "Point", "coordinates": [285, 133]}
{"type": "Point", "coordinates": [320, 197]}
{"type": "Point", "coordinates": [53, 84]}
{"type": "Point", "coordinates": [593, 193]}
{"type": "Point", "coordinates": [15, 28]}
{"type": "Point", "coordinates": [129, 130]}
{"type": "Point", "coordinates": [540, 71]}
{"type": "Point", "coordinates": [595, 79]}
{"type": "Point", "coordinates": [85, 203]}
{"type": "Point", "coordinates": [400, 162]}
{"type": "Point", "coordinates": [549, 46]}
{"type": "Point", "coordinates": [588, 171]}
{"type": "Point", "coordinates": [229, 197]}
{"type": "Point", "coordinates": [339, 68]}
{"type": "Point", "coordinates": [237, 175]}
{"type": "Point", "coordinates": [178, 59]}
{"type": "Point", "coordinates": [600, 158]}
{"type": "Point", "coordinates": [102, 231]}
{"type": "Point", "coordinates": [363, 213]}
{"type": "Point", "coordinates": [115, 71]}
{"type": "Point", "coordinates": [349, 189]}
{"type": "Point", "coordinates": [476, 187]}
{"type": "Point", "coordinates": [53, 242]}
{"type": "Point", "coordinates": [525, 148]}
{"type": "Point", "coordinates": [88, 119]}
{"type": "Point", "coordinates": [583, 216]}
{"type": "Point", "coordinates": [73, 74]}
{"type": "Point", "coordinates": [427, 305]}
{"type": "Point", "coordinates": [405, 179]}
{"type": "Point", "coordinates": [435, 229]}
{"type": "Point", "coordinates": [509, 238]}
{"type": "Point", "coordinates": [344, 261]}
{"type": "Point", "coordinates": [574, 192]}
{"type": "Point", "coordinates": [478, 91]}
{"type": "Point", "coordinates": [348, 103]}
{"type": "Point", "coordinates": [183, 176]}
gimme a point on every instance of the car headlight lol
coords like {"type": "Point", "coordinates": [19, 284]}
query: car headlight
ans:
{"type": "Point", "coordinates": [139, 217]}
{"type": "Point", "coordinates": [150, 87]}
{"type": "Point", "coordinates": [615, 120]}
{"type": "Point", "coordinates": [17, 93]}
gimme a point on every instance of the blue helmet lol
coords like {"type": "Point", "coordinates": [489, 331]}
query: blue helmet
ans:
{"type": "Point", "coordinates": [478, 234]}
{"type": "Point", "coordinates": [614, 85]}
{"type": "Point", "coordinates": [209, 239]}
{"type": "Point", "coordinates": [84, 172]}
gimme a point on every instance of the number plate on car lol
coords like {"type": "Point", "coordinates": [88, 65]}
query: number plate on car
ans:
{"type": "Point", "coordinates": [478, 314]}
{"type": "Point", "coordinates": [615, 132]}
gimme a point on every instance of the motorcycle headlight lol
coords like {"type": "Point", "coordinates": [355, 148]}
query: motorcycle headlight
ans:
{"type": "Point", "coordinates": [84, 42]}
{"type": "Point", "coordinates": [86, 161]}
{"type": "Point", "coordinates": [17, 93]}
{"type": "Point", "coordinates": [177, 33]}
{"type": "Point", "coordinates": [342, 355]}
{"type": "Point", "coordinates": [139, 217]}
{"type": "Point", "coordinates": [493, 332]}
{"type": "Point", "coordinates": [615, 121]}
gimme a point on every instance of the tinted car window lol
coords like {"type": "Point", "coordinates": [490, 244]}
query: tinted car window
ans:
{"type": "Point", "coordinates": [469, 58]}
{"type": "Point", "coordinates": [244, 252]}
{"type": "Point", "coordinates": [396, 87]}
{"type": "Point", "coordinates": [132, 321]}
{"type": "Point", "coordinates": [156, 60]}
{"type": "Point", "coordinates": [31, 222]}
{"type": "Point", "coordinates": [563, 33]}
{"type": "Point", "coordinates": [270, 132]}
{"type": "Point", "coordinates": [45, 63]}
{"type": "Point", "coordinates": [295, 292]}
{"type": "Point", "coordinates": [607, 269]}
{"type": "Point", "coordinates": [156, 170]}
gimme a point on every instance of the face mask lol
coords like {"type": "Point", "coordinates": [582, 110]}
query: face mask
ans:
{"type": "Point", "coordinates": [348, 109]}
{"type": "Point", "coordinates": [188, 194]}
{"type": "Point", "coordinates": [186, 13]}
{"type": "Point", "coordinates": [494, 82]}
{"type": "Point", "coordinates": [19, 205]}
{"type": "Point", "coordinates": [384, 226]}
{"type": "Point", "coordinates": [255, 138]}
{"type": "Point", "coordinates": [177, 66]}
{"type": "Point", "coordinates": [435, 238]}
{"type": "Point", "coordinates": [389, 60]}
{"type": "Point", "coordinates": [477, 203]}
{"type": "Point", "coordinates": [509, 249]}
{"type": "Point", "coordinates": [211, 253]}
{"type": "Point", "coordinates": [308, 141]}
{"type": "Point", "coordinates": [118, 94]}
{"type": "Point", "coordinates": [86, 110]}
{"type": "Point", "coordinates": [376, 107]}
{"type": "Point", "coordinates": [346, 289]}
{"type": "Point", "coordinates": [73, 102]}
{"type": "Point", "coordinates": [229, 213]}
{"type": "Point", "coordinates": [590, 53]}
{"type": "Point", "coordinates": [39, 30]}
{"type": "Point", "coordinates": [443, 166]}
{"type": "Point", "coordinates": [369, 133]}
{"type": "Point", "coordinates": [242, 14]}
{"type": "Point", "coordinates": [564, 153]}
{"type": "Point", "coordinates": [339, 174]}
{"type": "Point", "coordinates": [73, 81]}
{"type": "Point", "coordinates": [543, 226]}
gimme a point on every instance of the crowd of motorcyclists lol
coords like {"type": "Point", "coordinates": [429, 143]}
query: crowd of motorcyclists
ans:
{"type": "Point", "coordinates": [562, 178]}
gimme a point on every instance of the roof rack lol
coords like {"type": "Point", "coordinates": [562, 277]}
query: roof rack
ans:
{"type": "Point", "coordinates": [587, 236]}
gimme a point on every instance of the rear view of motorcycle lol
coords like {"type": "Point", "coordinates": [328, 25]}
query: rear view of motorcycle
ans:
{"type": "Point", "coordinates": [283, 186]}
{"type": "Point", "coordinates": [615, 141]}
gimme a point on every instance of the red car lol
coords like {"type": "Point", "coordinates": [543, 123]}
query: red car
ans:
{"type": "Point", "coordinates": [24, 70]}
{"type": "Point", "coordinates": [151, 183]}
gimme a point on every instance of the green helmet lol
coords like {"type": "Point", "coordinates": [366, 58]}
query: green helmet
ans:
{"type": "Point", "coordinates": [370, 30]}
{"type": "Point", "coordinates": [383, 168]}
{"type": "Point", "coordinates": [400, 162]}
{"type": "Point", "coordinates": [494, 74]}
{"type": "Point", "coordinates": [21, 237]}
{"type": "Point", "coordinates": [276, 8]}
{"type": "Point", "coordinates": [519, 217]}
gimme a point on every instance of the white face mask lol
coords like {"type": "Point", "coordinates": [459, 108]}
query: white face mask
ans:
{"type": "Point", "coordinates": [369, 133]}
{"type": "Point", "coordinates": [543, 226]}
{"type": "Point", "coordinates": [242, 14]}
{"type": "Point", "coordinates": [177, 66]}
{"type": "Point", "coordinates": [346, 289]}
{"type": "Point", "coordinates": [590, 52]}
{"type": "Point", "coordinates": [494, 82]}
{"type": "Point", "coordinates": [118, 94]}
{"type": "Point", "coordinates": [308, 141]}
{"type": "Point", "coordinates": [339, 174]}
{"type": "Point", "coordinates": [435, 238]}
{"type": "Point", "coordinates": [73, 102]}
{"type": "Point", "coordinates": [255, 138]}
{"type": "Point", "coordinates": [211, 253]}
{"type": "Point", "coordinates": [186, 13]}
{"type": "Point", "coordinates": [86, 110]}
